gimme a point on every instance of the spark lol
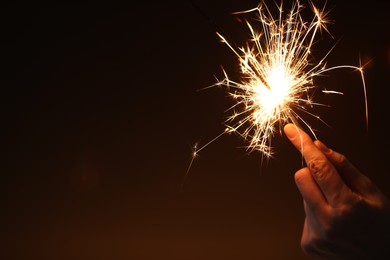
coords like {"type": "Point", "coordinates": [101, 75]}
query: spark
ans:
{"type": "Point", "coordinates": [277, 70]}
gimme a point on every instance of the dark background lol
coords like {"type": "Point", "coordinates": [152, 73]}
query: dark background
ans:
{"type": "Point", "coordinates": [99, 110]}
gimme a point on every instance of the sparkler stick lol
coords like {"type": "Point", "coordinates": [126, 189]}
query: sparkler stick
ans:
{"type": "Point", "coordinates": [277, 72]}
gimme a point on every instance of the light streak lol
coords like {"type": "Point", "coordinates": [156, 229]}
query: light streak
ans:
{"type": "Point", "coordinates": [277, 71]}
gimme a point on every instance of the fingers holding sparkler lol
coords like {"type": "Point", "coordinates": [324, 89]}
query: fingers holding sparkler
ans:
{"type": "Point", "coordinates": [324, 173]}
{"type": "Point", "coordinates": [343, 208]}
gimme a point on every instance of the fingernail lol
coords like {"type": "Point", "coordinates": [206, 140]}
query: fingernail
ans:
{"type": "Point", "coordinates": [322, 146]}
{"type": "Point", "coordinates": [290, 131]}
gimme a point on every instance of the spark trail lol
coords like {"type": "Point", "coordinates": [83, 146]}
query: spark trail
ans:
{"type": "Point", "coordinates": [277, 71]}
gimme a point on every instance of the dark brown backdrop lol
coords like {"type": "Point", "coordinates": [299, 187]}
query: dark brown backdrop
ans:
{"type": "Point", "coordinates": [99, 111]}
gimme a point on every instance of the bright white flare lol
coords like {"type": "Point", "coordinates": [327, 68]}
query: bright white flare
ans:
{"type": "Point", "coordinates": [277, 71]}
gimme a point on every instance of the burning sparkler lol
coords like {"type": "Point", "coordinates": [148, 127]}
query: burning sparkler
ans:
{"type": "Point", "coordinates": [277, 72]}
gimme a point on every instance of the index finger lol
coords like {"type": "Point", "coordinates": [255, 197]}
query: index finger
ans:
{"type": "Point", "coordinates": [323, 171]}
{"type": "Point", "coordinates": [303, 143]}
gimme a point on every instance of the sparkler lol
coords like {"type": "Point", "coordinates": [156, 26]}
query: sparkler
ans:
{"type": "Point", "coordinates": [277, 71]}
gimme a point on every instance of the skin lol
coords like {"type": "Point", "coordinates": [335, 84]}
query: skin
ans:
{"type": "Point", "coordinates": [347, 216]}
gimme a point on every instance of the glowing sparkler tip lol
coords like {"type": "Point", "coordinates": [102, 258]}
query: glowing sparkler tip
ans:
{"type": "Point", "coordinates": [277, 74]}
